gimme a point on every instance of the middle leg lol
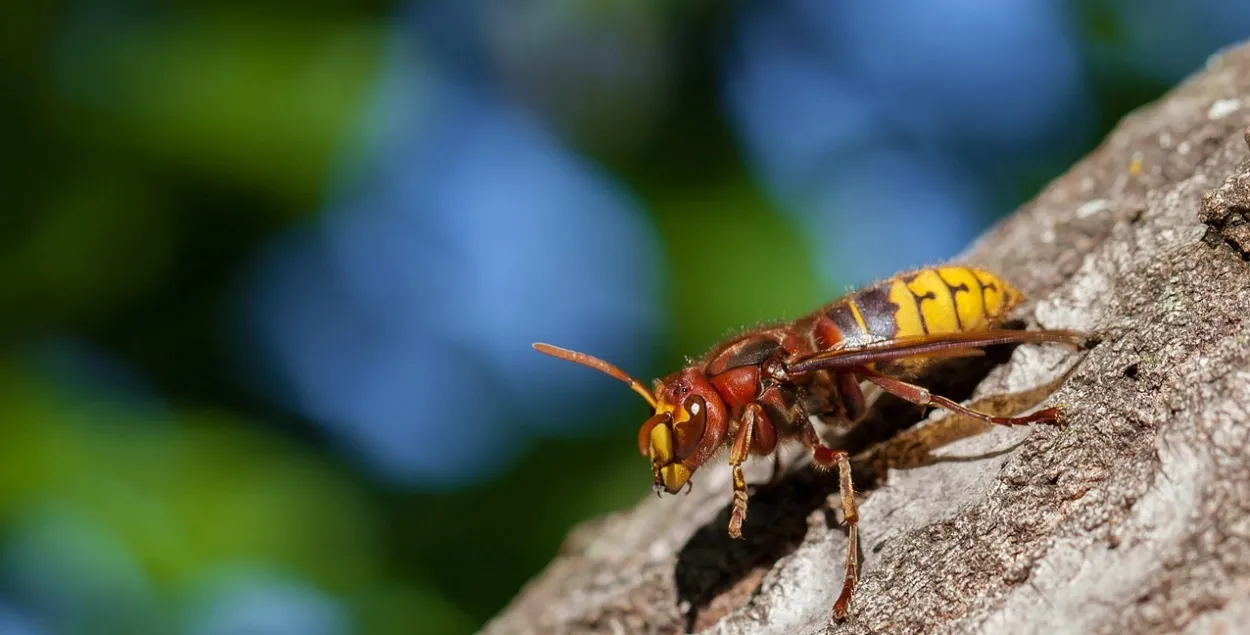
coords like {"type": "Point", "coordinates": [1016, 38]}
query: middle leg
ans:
{"type": "Point", "coordinates": [825, 458]}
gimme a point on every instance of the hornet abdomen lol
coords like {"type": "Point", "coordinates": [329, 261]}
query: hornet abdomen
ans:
{"type": "Point", "coordinates": [935, 301]}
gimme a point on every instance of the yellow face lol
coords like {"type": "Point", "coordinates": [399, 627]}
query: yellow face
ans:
{"type": "Point", "coordinates": [671, 473]}
{"type": "Point", "coordinates": [674, 433]}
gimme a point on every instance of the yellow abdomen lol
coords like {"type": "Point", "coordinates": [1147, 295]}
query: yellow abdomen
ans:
{"type": "Point", "coordinates": [950, 299]}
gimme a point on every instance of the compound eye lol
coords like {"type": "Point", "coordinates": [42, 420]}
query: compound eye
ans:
{"type": "Point", "coordinates": [690, 431]}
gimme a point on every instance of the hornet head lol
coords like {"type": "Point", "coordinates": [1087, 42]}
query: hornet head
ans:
{"type": "Point", "coordinates": [687, 424]}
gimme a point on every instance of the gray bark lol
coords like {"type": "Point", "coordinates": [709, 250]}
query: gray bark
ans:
{"type": "Point", "coordinates": [1134, 518]}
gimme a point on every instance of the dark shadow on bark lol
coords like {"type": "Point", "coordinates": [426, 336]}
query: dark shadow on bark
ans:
{"type": "Point", "coordinates": [712, 564]}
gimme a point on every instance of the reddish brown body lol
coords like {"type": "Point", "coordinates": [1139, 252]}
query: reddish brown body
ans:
{"type": "Point", "coordinates": [760, 388]}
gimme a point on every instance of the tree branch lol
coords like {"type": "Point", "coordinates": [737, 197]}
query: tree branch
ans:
{"type": "Point", "coordinates": [1134, 518]}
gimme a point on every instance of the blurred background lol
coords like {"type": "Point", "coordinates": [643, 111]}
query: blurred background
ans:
{"type": "Point", "coordinates": [269, 275]}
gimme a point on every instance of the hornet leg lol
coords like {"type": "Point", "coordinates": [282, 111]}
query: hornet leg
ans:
{"type": "Point", "coordinates": [924, 398]}
{"type": "Point", "coordinates": [753, 417]}
{"type": "Point", "coordinates": [825, 458]}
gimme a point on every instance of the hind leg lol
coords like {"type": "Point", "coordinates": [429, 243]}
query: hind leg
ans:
{"type": "Point", "coordinates": [922, 397]}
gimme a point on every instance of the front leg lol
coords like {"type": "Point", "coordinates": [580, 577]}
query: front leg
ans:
{"type": "Point", "coordinates": [755, 427]}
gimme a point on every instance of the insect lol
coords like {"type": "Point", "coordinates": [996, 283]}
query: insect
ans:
{"type": "Point", "coordinates": [757, 389]}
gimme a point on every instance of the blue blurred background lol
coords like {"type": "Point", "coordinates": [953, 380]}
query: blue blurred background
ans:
{"type": "Point", "coordinates": [269, 275]}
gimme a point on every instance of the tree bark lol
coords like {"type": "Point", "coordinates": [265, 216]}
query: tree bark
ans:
{"type": "Point", "coordinates": [1134, 518]}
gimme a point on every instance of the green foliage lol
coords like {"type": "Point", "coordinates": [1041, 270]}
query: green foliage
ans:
{"type": "Point", "coordinates": [253, 99]}
{"type": "Point", "coordinates": [187, 494]}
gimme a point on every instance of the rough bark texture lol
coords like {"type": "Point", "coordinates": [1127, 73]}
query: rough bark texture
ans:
{"type": "Point", "coordinates": [1135, 518]}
